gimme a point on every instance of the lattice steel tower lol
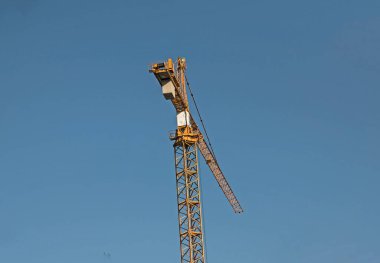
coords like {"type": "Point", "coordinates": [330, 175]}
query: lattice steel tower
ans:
{"type": "Point", "coordinates": [187, 139]}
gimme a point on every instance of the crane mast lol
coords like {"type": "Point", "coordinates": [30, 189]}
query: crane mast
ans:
{"type": "Point", "coordinates": [187, 139]}
{"type": "Point", "coordinates": [188, 195]}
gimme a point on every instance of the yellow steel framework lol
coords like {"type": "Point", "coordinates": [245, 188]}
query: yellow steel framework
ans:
{"type": "Point", "coordinates": [187, 139]}
{"type": "Point", "coordinates": [188, 196]}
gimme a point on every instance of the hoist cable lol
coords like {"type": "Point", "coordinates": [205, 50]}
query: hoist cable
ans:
{"type": "Point", "coordinates": [200, 117]}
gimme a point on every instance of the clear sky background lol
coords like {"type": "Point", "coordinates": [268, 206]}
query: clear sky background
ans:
{"type": "Point", "coordinates": [289, 91]}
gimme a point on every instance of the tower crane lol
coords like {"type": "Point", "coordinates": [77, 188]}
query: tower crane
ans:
{"type": "Point", "coordinates": [188, 138]}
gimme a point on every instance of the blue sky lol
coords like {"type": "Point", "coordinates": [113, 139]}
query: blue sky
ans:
{"type": "Point", "coordinates": [290, 94]}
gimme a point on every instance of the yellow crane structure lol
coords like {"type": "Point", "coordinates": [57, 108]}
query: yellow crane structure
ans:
{"type": "Point", "coordinates": [188, 138]}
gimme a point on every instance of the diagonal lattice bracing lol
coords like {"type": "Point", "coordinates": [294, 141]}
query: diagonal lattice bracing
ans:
{"type": "Point", "coordinates": [189, 203]}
